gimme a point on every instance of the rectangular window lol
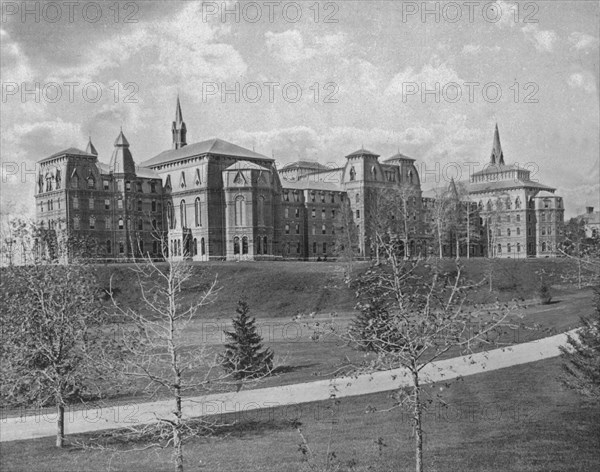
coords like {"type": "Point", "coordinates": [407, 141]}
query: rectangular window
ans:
{"type": "Point", "coordinates": [139, 187]}
{"type": "Point", "coordinates": [128, 186]}
{"type": "Point", "coordinates": [314, 213]}
{"type": "Point", "coordinates": [105, 184]}
{"type": "Point", "coordinates": [357, 213]}
{"type": "Point", "coordinates": [92, 222]}
{"type": "Point", "coordinates": [323, 230]}
{"type": "Point", "coordinates": [107, 204]}
{"type": "Point", "coordinates": [287, 229]}
{"type": "Point", "coordinates": [324, 248]}
{"type": "Point", "coordinates": [297, 213]}
{"type": "Point", "coordinates": [153, 205]}
{"type": "Point", "coordinates": [91, 203]}
{"type": "Point", "coordinates": [108, 223]}
{"type": "Point", "coordinates": [323, 213]}
{"type": "Point", "coordinates": [76, 203]}
{"type": "Point", "coordinates": [333, 213]}
{"type": "Point", "coordinates": [120, 203]}
{"type": "Point", "coordinates": [286, 213]}
{"type": "Point", "coordinates": [75, 223]}
{"type": "Point", "coordinates": [153, 188]}
{"type": "Point", "coordinates": [297, 229]}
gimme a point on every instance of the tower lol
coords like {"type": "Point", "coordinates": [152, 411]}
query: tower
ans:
{"type": "Point", "coordinates": [178, 129]}
{"type": "Point", "coordinates": [497, 156]}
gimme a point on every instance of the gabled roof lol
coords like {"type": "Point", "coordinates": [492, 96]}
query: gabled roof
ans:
{"type": "Point", "coordinates": [304, 165]}
{"type": "Point", "coordinates": [362, 152]}
{"type": "Point", "coordinates": [492, 186]}
{"type": "Point", "coordinates": [245, 165]}
{"type": "Point", "coordinates": [311, 185]}
{"type": "Point", "coordinates": [498, 168]}
{"type": "Point", "coordinates": [399, 156]}
{"type": "Point", "coordinates": [72, 151]}
{"type": "Point", "coordinates": [214, 146]}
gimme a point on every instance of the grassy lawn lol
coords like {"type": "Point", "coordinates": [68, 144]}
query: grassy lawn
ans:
{"type": "Point", "coordinates": [515, 419]}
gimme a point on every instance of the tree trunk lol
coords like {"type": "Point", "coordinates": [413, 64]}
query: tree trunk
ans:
{"type": "Point", "coordinates": [178, 446]}
{"type": "Point", "coordinates": [418, 418]}
{"type": "Point", "coordinates": [60, 425]}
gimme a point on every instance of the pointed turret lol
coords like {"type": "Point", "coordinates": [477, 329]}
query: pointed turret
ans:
{"type": "Point", "coordinates": [90, 149]}
{"type": "Point", "coordinates": [497, 156]}
{"type": "Point", "coordinates": [121, 161]}
{"type": "Point", "coordinates": [178, 129]}
{"type": "Point", "coordinates": [453, 191]}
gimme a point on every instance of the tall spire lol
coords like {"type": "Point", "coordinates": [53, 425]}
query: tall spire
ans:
{"type": "Point", "coordinates": [178, 129]}
{"type": "Point", "coordinates": [497, 154]}
{"type": "Point", "coordinates": [90, 149]}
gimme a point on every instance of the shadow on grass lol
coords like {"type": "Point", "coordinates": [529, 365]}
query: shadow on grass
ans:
{"type": "Point", "coordinates": [286, 369]}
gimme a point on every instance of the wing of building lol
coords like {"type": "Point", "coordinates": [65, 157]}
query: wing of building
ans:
{"type": "Point", "coordinates": [215, 200]}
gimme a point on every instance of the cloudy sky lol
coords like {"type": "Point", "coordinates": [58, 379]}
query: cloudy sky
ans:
{"type": "Point", "coordinates": [360, 67]}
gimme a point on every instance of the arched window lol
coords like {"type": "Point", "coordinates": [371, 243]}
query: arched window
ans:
{"type": "Point", "coordinates": [239, 211]}
{"type": "Point", "coordinates": [90, 182]}
{"type": "Point", "coordinates": [518, 247]}
{"type": "Point", "coordinates": [352, 173]}
{"type": "Point", "coordinates": [197, 212]}
{"type": "Point", "coordinates": [499, 248]}
{"type": "Point", "coordinates": [48, 183]}
{"type": "Point", "coordinates": [244, 245]}
{"type": "Point", "coordinates": [75, 181]}
{"type": "Point", "coordinates": [517, 203]}
{"type": "Point", "coordinates": [508, 232]}
{"type": "Point", "coordinates": [357, 198]}
{"type": "Point", "coordinates": [202, 247]}
{"type": "Point", "coordinates": [183, 214]}
{"type": "Point", "coordinates": [489, 205]}
{"type": "Point", "coordinates": [265, 247]}
{"type": "Point", "coordinates": [121, 247]}
{"type": "Point", "coordinates": [508, 247]}
{"type": "Point", "coordinates": [170, 217]}
{"type": "Point", "coordinates": [261, 210]}
{"type": "Point", "coordinates": [236, 245]}
{"type": "Point", "coordinates": [142, 248]}
{"type": "Point", "coordinates": [121, 223]}
{"type": "Point", "coordinates": [410, 177]}
{"type": "Point", "coordinates": [508, 204]}
{"type": "Point", "coordinates": [543, 247]}
{"type": "Point", "coordinates": [108, 246]}
{"type": "Point", "coordinates": [195, 247]}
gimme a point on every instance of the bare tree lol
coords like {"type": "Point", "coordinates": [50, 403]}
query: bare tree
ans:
{"type": "Point", "coordinates": [159, 353]}
{"type": "Point", "coordinates": [392, 215]}
{"type": "Point", "coordinates": [427, 315]}
{"type": "Point", "coordinates": [51, 331]}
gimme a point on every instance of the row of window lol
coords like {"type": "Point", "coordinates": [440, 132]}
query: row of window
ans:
{"type": "Point", "coordinates": [314, 229]}
{"type": "Point", "coordinates": [155, 225]}
{"type": "Point", "coordinates": [545, 247]}
{"type": "Point", "coordinates": [288, 248]}
{"type": "Point", "coordinates": [154, 205]}
{"type": "Point", "coordinates": [121, 185]}
{"type": "Point", "coordinates": [261, 245]}
{"type": "Point", "coordinates": [121, 247]}
{"type": "Point", "coordinates": [389, 175]}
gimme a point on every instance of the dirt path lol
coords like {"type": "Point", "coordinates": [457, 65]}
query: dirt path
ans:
{"type": "Point", "coordinates": [97, 419]}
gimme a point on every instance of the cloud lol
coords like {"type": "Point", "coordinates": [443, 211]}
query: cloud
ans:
{"type": "Point", "coordinates": [430, 75]}
{"type": "Point", "coordinates": [473, 49]}
{"type": "Point", "coordinates": [583, 41]}
{"type": "Point", "coordinates": [290, 48]}
{"type": "Point", "coordinates": [583, 81]}
{"type": "Point", "coordinates": [543, 40]}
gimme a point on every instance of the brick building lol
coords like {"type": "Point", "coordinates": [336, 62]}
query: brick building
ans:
{"type": "Point", "coordinates": [214, 200]}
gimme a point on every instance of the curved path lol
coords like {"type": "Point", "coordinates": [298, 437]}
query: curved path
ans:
{"type": "Point", "coordinates": [97, 419]}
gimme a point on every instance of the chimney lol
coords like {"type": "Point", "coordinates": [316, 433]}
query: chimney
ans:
{"type": "Point", "coordinates": [589, 210]}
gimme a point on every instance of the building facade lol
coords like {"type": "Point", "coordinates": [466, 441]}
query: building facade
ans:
{"type": "Point", "coordinates": [214, 200]}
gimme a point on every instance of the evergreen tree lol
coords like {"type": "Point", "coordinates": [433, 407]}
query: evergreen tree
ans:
{"type": "Point", "coordinates": [582, 356]}
{"type": "Point", "coordinates": [244, 356]}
